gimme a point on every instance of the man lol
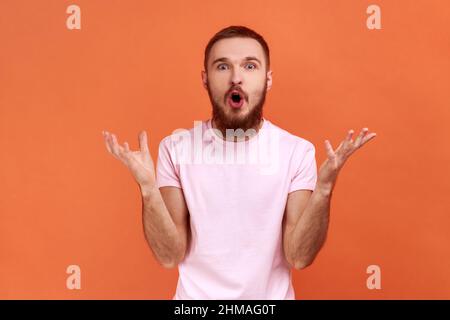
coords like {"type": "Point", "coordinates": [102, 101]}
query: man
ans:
{"type": "Point", "coordinates": [235, 228]}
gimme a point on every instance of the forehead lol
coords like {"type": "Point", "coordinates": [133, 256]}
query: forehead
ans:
{"type": "Point", "coordinates": [236, 49]}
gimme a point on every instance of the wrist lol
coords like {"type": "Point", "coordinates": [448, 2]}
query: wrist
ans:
{"type": "Point", "coordinates": [148, 190]}
{"type": "Point", "coordinates": [325, 189]}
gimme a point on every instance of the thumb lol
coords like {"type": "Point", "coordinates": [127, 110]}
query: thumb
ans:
{"type": "Point", "coordinates": [329, 149]}
{"type": "Point", "coordinates": [143, 143]}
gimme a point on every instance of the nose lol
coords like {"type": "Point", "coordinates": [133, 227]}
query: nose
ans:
{"type": "Point", "coordinates": [236, 78]}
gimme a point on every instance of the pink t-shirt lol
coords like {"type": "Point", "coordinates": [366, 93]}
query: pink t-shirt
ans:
{"type": "Point", "coordinates": [236, 194]}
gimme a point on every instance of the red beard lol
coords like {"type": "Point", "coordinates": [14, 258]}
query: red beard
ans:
{"type": "Point", "coordinates": [223, 121]}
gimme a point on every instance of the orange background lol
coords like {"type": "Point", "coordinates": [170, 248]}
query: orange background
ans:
{"type": "Point", "coordinates": [136, 65]}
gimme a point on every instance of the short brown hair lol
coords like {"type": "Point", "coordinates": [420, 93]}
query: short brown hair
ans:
{"type": "Point", "coordinates": [237, 31]}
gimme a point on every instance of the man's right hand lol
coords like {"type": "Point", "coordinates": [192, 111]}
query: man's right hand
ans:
{"type": "Point", "coordinates": [140, 162]}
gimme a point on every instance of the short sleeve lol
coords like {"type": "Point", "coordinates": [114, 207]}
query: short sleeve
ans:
{"type": "Point", "coordinates": [305, 168]}
{"type": "Point", "coordinates": [167, 171]}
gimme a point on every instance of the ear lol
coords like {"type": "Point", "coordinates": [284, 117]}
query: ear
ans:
{"type": "Point", "coordinates": [204, 79]}
{"type": "Point", "coordinates": [269, 80]}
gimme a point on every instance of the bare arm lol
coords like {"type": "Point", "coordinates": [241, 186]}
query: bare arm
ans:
{"type": "Point", "coordinates": [307, 215]}
{"type": "Point", "coordinates": [166, 223]}
{"type": "Point", "coordinates": [164, 212]}
{"type": "Point", "coordinates": [306, 225]}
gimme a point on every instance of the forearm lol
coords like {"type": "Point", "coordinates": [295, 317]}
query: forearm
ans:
{"type": "Point", "coordinates": [310, 232]}
{"type": "Point", "coordinates": [159, 229]}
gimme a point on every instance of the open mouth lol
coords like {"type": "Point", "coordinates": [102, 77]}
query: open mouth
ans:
{"type": "Point", "coordinates": [236, 100]}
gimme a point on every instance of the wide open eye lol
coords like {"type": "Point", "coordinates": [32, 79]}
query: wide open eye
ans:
{"type": "Point", "coordinates": [222, 65]}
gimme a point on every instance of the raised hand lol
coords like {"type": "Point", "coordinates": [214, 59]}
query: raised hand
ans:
{"type": "Point", "coordinates": [139, 162]}
{"type": "Point", "coordinates": [336, 158]}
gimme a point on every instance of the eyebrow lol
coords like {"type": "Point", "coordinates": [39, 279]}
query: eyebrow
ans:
{"type": "Point", "coordinates": [226, 59]}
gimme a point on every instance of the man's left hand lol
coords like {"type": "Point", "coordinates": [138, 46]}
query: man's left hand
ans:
{"type": "Point", "coordinates": [330, 168]}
